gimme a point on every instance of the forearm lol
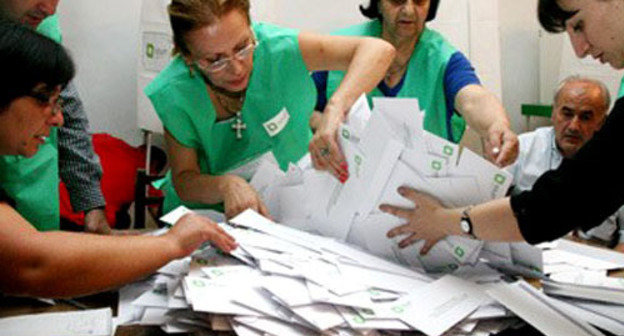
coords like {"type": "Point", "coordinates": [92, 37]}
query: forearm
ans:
{"type": "Point", "coordinates": [481, 109]}
{"type": "Point", "coordinates": [491, 221]}
{"type": "Point", "coordinates": [367, 68]}
{"type": "Point", "coordinates": [79, 166]}
{"type": "Point", "coordinates": [56, 264]}
{"type": "Point", "coordinates": [193, 186]}
{"type": "Point", "coordinates": [85, 264]}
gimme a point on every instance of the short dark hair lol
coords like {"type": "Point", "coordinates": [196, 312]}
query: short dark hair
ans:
{"type": "Point", "coordinates": [29, 59]}
{"type": "Point", "coordinates": [552, 17]}
{"type": "Point", "coordinates": [372, 10]}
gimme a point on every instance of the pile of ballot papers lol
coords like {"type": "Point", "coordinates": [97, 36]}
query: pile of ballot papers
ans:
{"type": "Point", "coordinates": [323, 265]}
{"type": "Point", "coordinates": [284, 281]}
{"type": "Point", "coordinates": [385, 149]}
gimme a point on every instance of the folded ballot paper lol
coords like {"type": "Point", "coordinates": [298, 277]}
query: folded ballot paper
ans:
{"type": "Point", "coordinates": [387, 148]}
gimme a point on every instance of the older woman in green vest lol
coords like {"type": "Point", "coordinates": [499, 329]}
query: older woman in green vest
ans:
{"type": "Point", "coordinates": [429, 68]}
{"type": "Point", "coordinates": [240, 92]}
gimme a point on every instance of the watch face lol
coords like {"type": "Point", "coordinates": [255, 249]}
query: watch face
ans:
{"type": "Point", "coordinates": [465, 226]}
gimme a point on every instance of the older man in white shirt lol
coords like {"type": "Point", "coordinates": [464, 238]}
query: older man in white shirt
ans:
{"type": "Point", "coordinates": [579, 110]}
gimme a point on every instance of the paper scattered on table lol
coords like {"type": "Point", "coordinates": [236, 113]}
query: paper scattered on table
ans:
{"type": "Point", "coordinates": [97, 322]}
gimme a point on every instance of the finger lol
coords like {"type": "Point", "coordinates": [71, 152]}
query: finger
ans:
{"type": "Point", "coordinates": [324, 160]}
{"type": "Point", "coordinates": [396, 211]}
{"type": "Point", "coordinates": [509, 152]}
{"type": "Point", "coordinates": [410, 194]}
{"type": "Point", "coordinates": [316, 158]}
{"type": "Point", "coordinates": [263, 210]}
{"type": "Point", "coordinates": [336, 159]}
{"type": "Point", "coordinates": [400, 230]}
{"type": "Point", "coordinates": [336, 155]}
{"type": "Point", "coordinates": [428, 245]}
{"type": "Point", "coordinates": [408, 241]}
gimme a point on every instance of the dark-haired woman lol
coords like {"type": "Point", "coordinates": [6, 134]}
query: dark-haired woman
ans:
{"type": "Point", "coordinates": [55, 264]}
{"type": "Point", "coordinates": [429, 68]}
{"type": "Point", "coordinates": [582, 192]}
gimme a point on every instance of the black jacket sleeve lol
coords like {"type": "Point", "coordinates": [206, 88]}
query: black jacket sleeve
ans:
{"type": "Point", "coordinates": [582, 192]}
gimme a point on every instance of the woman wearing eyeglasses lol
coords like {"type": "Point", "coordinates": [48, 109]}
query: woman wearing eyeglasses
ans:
{"type": "Point", "coordinates": [238, 93]}
{"type": "Point", "coordinates": [54, 263]}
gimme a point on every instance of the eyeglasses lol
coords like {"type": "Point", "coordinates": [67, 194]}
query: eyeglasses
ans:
{"type": "Point", "coordinates": [48, 99]}
{"type": "Point", "coordinates": [221, 64]}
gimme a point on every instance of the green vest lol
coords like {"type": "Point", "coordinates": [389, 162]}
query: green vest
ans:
{"type": "Point", "coordinates": [621, 92]}
{"type": "Point", "coordinates": [279, 80]}
{"type": "Point", "coordinates": [424, 79]}
{"type": "Point", "coordinates": [33, 182]}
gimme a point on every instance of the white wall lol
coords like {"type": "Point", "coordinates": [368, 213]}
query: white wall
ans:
{"type": "Point", "coordinates": [103, 38]}
{"type": "Point", "coordinates": [519, 31]}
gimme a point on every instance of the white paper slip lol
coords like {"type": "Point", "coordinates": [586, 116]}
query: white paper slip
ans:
{"type": "Point", "coordinates": [493, 181]}
{"type": "Point", "coordinates": [536, 309]}
{"type": "Point", "coordinates": [558, 256]}
{"type": "Point", "coordinates": [357, 320]}
{"type": "Point", "coordinates": [212, 297]}
{"type": "Point", "coordinates": [293, 292]}
{"type": "Point", "coordinates": [97, 322]}
{"type": "Point", "coordinates": [585, 292]}
{"type": "Point", "coordinates": [156, 297]}
{"type": "Point", "coordinates": [589, 278]}
{"type": "Point", "coordinates": [321, 316]}
{"type": "Point", "coordinates": [439, 306]}
{"type": "Point", "coordinates": [591, 252]}
{"type": "Point", "coordinates": [320, 294]}
{"type": "Point", "coordinates": [604, 322]}
{"type": "Point", "coordinates": [270, 326]}
{"type": "Point", "coordinates": [172, 217]}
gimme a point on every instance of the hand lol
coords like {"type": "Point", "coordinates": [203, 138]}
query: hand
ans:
{"type": "Point", "coordinates": [502, 145]}
{"type": "Point", "coordinates": [95, 222]}
{"type": "Point", "coordinates": [192, 230]}
{"type": "Point", "coordinates": [238, 196]}
{"type": "Point", "coordinates": [619, 247]}
{"type": "Point", "coordinates": [324, 149]}
{"type": "Point", "coordinates": [427, 220]}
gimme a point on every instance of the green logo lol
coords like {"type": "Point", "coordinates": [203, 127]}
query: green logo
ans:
{"type": "Point", "coordinates": [367, 311]}
{"type": "Point", "coordinates": [448, 150]}
{"type": "Point", "coordinates": [150, 50]}
{"type": "Point", "coordinates": [374, 292]}
{"type": "Point", "coordinates": [346, 134]}
{"type": "Point", "coordinates": [198, 283]}
{"type": "Point", "coordinates": [398, 309]}
{"type": "Point", "coordinates": [358, 160]}
{"type": "Point", "coordinates": [436, 165]}
{"type": "Point", "coordinates": [359, 319]}
{"type": "Point", "coordinates": [500, 179]}
{"type": "Point", "coordinates": [217, 272]}
{"type": "Point", "coordinates": [459, 251]}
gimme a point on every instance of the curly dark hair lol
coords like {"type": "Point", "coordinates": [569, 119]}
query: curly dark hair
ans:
{"type": "Point", "coordinates": [372, 10]}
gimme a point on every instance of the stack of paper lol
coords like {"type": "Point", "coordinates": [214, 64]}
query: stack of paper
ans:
{"type": "Point", "coordinates": [386, 149]}
{"type": "Point", "coordinates": [289, 282]}
{"type": "Point", "coordinates": [579, 282]}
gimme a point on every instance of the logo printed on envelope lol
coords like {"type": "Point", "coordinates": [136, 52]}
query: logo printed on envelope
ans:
{"type": "Point", "coordinates": [277, 123]}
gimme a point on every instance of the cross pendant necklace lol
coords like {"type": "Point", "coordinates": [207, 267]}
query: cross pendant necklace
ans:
{"type": "Point", "coordinates": [238, 126]}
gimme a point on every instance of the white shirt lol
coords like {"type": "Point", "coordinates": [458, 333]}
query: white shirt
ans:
{"type": "Point", "coordinates": [539, 154]}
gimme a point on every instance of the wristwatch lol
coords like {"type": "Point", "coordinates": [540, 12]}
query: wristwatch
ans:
{"type": "Point", "coordinates": [465, 223]}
